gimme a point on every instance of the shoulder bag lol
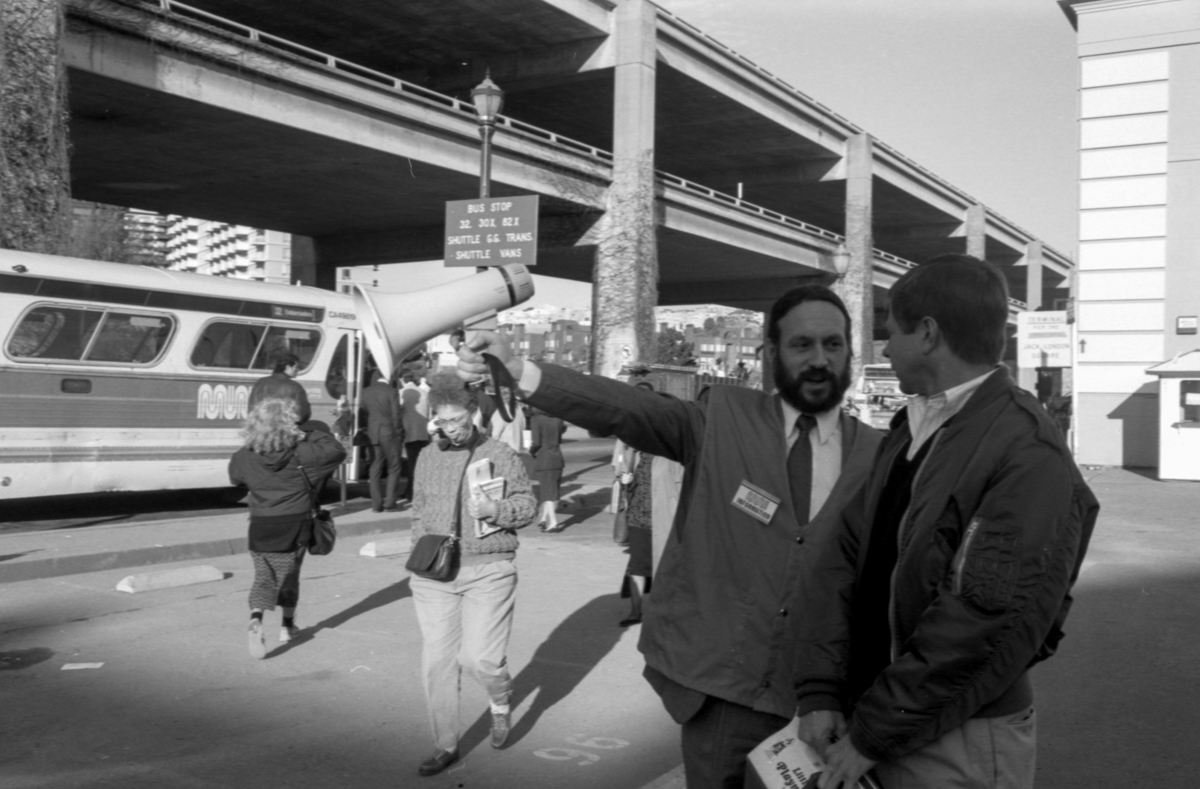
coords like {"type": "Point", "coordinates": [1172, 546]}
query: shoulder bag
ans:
{"type": "Point", "coordinates": [324, 533]}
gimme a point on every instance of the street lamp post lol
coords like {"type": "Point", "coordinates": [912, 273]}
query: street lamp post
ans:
{"type": "Point", "coordinates": [488, 100]}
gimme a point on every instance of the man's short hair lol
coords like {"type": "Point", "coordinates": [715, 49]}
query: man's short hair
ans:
{"type": "Point", "coordinates": [282, 359]}
{"type": "Point", "coordinates": [797, 296]}
{"type": "Point", "coordinates": [968, 298]}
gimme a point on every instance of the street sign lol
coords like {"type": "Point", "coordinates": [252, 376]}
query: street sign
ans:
{"type": "Point", "coordinates": [1043, 340]}
{"type": "Point", "coordinates": [492, 231]}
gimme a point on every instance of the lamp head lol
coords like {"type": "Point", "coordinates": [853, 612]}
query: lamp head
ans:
{"type": "Point", "coordinates": [488, 99]}
{"type": "Point", "coordinates": [841, 260]}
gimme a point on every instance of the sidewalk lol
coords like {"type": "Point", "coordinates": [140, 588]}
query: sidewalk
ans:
{"type": "Point", "coordinates": [46, 554]}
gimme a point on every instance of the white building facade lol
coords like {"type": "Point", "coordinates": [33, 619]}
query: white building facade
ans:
{"type": "Point", "coordinates": [1138, 289]}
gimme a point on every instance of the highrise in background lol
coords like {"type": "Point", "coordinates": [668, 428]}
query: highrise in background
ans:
{"type": "Point", "coordinates": [1138, 290]}
{"type": "Point", "coordinates": [201, 247]}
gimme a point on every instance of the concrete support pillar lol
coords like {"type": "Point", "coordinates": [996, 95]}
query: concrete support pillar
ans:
{"type": "Point", "coordinates": [35, 179]}
{"type": "Point", "coordinates": [305, 260]}
{"type": "Point", "coordinates": [625, 278]}
{"type": "Point", "coordinates": [1027, 378]}
{"type": "Point", "coordinates": [856, 286]}
{"type": "Point", "coordinates": [1033, 274]}
{"type": "Point", "coordinates": [977, 231]}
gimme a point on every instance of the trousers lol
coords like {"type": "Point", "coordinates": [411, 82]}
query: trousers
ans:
{"type": "Point", "coordinates": [387, 452]}
{"type": "Point", "coordinates": [983, 753]}
{"type": "Point", "coordinates": [717, 739]}
{"type": "Point", "coordinates": [465, 624]}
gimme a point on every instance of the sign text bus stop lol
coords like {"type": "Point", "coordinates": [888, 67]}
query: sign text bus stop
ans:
{"type": "Point", "coordinates": [492, 231]}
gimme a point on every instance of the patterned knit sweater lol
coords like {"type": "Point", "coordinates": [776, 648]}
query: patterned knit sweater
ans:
{"type": "Point", "coordinates": [437, 478]}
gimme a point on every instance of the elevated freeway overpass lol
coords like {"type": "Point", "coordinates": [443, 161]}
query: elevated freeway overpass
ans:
{"type": "Point", "coordinates": [663, 158]}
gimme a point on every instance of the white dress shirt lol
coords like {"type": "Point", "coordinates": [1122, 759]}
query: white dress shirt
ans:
{"type": "Point", "coordinates": [928, 413]}
{"type": "Point", "coordinates": [826, 442]}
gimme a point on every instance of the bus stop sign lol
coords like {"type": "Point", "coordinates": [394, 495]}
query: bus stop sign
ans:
{"type": "Point", "coordinates": [492, 231]}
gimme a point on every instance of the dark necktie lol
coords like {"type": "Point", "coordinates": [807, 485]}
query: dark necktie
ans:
{"type": "Point", "coordinates": [800, 468]}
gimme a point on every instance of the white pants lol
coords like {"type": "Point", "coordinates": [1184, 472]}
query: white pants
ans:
{"type": "Point", "coordinates": [465, 624]}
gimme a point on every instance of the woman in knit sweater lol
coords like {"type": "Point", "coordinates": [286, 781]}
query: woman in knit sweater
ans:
{"type": "Point", "coordinates": [466, 620]}
{"type": "Point", "coordinates": [282, 465]}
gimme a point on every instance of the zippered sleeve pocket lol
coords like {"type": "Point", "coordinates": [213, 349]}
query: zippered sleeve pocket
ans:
{"type": "Point", "coordinates": [983, 570]}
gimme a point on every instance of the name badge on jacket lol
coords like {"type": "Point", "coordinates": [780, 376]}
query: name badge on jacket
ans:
{"type": "Point", "coordinates": [756, 502]}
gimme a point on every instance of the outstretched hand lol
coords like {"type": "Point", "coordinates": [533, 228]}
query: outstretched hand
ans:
{"type": "Point", "coordinates": [471, 366]}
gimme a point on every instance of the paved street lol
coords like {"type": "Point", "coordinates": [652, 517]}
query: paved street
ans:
{"type": "Point", "coordinates": [177, 702]}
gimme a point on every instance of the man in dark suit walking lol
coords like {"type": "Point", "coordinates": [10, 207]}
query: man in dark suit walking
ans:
{"type": "Point", "coordinates": [380, 411]}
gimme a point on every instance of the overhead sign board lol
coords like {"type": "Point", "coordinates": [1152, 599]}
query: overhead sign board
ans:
{"type": "Point", "coordinates": [492, 231]}
{"type": "Point", "coordinates": [1043, 340]}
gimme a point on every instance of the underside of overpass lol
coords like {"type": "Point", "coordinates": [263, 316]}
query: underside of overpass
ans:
{"type": "Point", "coordinates": [350, 125]}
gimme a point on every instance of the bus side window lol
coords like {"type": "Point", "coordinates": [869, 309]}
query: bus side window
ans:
{"type": "Point", "coordinates": [59, 333]}
{"type": "Point", "coordinates": [302, 342]}
{"type": "Point", "coordinates": [227, 345]}
{"type": "Point", "coordinates": [138, 339]}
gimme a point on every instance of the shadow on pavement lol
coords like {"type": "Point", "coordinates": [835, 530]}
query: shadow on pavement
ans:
{"type": "Point", "coordinates": [385, 596]}
{"type": "Point", "coordinates": [560, 663]}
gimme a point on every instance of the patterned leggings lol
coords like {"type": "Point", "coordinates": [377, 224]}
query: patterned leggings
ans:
{"type": "Point", "coordinates": [276, 579]}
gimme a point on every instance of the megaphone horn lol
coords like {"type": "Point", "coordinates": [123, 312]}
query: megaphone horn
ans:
{"type": "Point", "coordinates": [395, 323]}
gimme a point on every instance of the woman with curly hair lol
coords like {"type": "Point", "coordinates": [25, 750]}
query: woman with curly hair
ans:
{"type": "Point", "coordinates": [284, 467]}
{"type": "Point", "coordinates": [466, 619]}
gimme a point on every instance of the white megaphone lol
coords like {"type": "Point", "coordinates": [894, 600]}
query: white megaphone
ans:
{"type": "Point", "coordinates": [393, 324]}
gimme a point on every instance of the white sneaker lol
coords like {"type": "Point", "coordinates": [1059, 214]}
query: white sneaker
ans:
{"type": "Point", "coordinates": [286, 634]}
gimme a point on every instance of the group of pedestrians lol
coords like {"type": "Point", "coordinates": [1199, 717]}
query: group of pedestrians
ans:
{"type": "Point", "coordinates": [885, 597]}
{"type": "Point", "coordinates": [465, 618]}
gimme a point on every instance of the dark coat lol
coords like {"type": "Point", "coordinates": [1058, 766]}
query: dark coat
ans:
{"type": "Point", "coordinates": [989, 547]}
{"type": "Point", "coordinates": [545, 434]}
{"type": "Point", "coordinates": [278, 385]}
{"type": "Point", "coordinates": [280, 499]}
{"type": "Point", "coordinates": [379, 411]}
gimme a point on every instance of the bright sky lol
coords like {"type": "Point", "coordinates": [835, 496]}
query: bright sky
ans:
{"type": "Point", "coordinates": [980, 92]}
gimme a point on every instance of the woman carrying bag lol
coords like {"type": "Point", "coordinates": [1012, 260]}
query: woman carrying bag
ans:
{"type": "Point", "coordinates": [466, 614]}
{"type": "Point", "coordinates": [284, 468]}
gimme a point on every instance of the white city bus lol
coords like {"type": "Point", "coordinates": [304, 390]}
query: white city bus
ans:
{"type": "Point", "coordinates": [117, 377]}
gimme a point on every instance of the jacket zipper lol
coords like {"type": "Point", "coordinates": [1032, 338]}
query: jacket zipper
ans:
{"type": "Point", "coordinates": [961, 559]}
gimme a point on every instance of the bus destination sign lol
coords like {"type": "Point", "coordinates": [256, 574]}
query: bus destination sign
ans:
{"type": "Point", "coordinates": [492, 231]}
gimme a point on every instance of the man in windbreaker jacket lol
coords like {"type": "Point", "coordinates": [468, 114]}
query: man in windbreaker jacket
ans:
{"type": "Point", "coordinates": [952, 576]}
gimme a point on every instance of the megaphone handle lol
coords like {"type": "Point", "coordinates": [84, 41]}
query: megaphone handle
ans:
{"type": "Point", "coordinates": [502, 379]}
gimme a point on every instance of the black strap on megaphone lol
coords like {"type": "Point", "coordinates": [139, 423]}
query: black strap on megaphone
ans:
{"type": "Point", "coordinates": [502, 380]}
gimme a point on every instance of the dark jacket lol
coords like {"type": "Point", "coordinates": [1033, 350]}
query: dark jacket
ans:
{"type": "Point", "coordinates": [280, 501]}
{"type": "Point", "coordinates": [380, 413]}
{"type": "Point", "coordinates": [988, 549]}
{"type": "Point", "coordinates": [718, 622]}
{"type": "Point", "coordinates": [278, 385]}
{"type": "Point", "coordinates": [545, 434]}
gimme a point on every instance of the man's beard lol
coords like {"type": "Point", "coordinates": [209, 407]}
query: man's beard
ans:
{"type": "Point", "coordinates": [791, 388]}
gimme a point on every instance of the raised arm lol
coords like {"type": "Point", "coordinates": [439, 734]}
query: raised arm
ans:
{"type": "Point", "coordinates": [655, 423]}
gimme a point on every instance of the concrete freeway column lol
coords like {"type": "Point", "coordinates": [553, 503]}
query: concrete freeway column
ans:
{"type": "Point", "coordinates": [625, 277]}
{"type": "Point", "coordinates": [856, 286]}
{"type": "Point", "coordinates": [977, 231]}
{"type": "Point", "coordinates": [1033, 274]}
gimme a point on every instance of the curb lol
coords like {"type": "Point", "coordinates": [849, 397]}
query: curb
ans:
{"type": "Point", "coordinates": [169, 579]}
{"type": "Point", "coordinates": [164, 554]}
